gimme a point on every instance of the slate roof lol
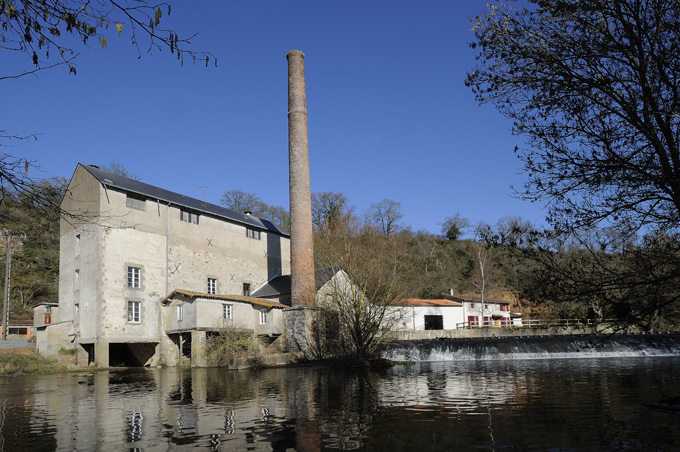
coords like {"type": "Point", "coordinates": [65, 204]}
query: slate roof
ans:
{"type": "Point", "coordinates": [112, 180]}
{"type": "Point", "coordinates": [280, 285]}
{"type": "Point", "coordinates": [238, 298]}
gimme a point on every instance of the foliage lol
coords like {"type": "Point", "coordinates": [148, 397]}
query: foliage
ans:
{"type": "Point", "coordinates": [231, 348]}
{"type": "Point", "coordinates": [638, 283]}
{"type": "Point", "coordinates": [41, 30]}
{"type": "Point", "coordinates": [453, 227]}
{"type": "Point", "coordinates": [33, 220]}
{"type": "Point", "coordinates": [594, 87]}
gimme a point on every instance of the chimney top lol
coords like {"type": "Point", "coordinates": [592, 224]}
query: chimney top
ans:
{"type": "Point", "coordinates": [294, 52]}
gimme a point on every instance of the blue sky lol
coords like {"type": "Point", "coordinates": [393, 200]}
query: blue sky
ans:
{"type": "Point", "coordinates": [389, 115]}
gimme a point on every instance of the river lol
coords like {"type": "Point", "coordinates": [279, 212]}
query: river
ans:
{"type": "Point", "coordinates": [597, 404]}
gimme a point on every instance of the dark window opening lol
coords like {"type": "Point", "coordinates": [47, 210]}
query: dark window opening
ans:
{"type": "Point", "coordinates": [434, 322]}
{"type": "Point", "coordinates": [89, 348]}
{"type": "Point", "coordinates": [133, 354]}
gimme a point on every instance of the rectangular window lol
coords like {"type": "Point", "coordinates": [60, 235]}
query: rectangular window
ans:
{"type": "Point", "coordinates": [473, 320]}
{"type": "Point", "coordinates": [252, 233]}
{"type": "Point", "coordinates": [180, 312]}
{"type": "Point", "coordinates": [263, 316]}
{"type": "Point", "coordinates": [212, 285]}
{"type": "Point", "coordinates": [76, 314]}
{"type": "Point", "coordinates": [189, 217]}
{"type": "Point", "coordinates": [21, 331]}
{"type": "Point", "coordinates": [48, 309]}
{"type": "Point", "coordinates": [76, 281]}
{"type": "Point", "coordinates": [487, 321]}
{"type": "Point", "coordinates": [134, 277]}
{"type": "Point", "coordinates": [505, 307]}
{"type": "Point", "coordinates": [77, 244]}
{"type": "Point", "coordinates": [228, 311]}
{"type": "Point", "coordinates": [134, 312]}
{"type": "Point", "coordinates": [246, 289]}
{"type": "Point", "coordinates": [135, 203]}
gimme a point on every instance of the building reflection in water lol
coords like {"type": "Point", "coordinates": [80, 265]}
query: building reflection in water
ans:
{"type": "Point", "coordinates": [442, 405]}
{"type": "Point", "coordinates": [275, 409]}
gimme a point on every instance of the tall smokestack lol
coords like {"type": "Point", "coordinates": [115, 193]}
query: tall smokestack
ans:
{"type": "Point", "coordinates": [303, 288]}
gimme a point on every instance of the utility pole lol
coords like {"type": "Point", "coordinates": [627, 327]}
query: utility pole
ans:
{"type": "Point", "coordinates": [203, 188]}
{"type": "Point", "coordinates": [8, 272]}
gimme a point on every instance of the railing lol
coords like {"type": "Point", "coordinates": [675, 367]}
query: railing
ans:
{"type": "Point", "coordinates": [537, 323]}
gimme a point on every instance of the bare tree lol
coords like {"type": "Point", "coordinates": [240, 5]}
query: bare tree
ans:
{"type": "Point", "coordinates": [359, 306]}
{"type": "Point", "coordinates": [453, 227]}
{"type": "Point", "coordinates": [119, 169]}
{"type": "Point", "coordinates": [593, 87]}
{"type": "Point", "coordinates": [241, 201]}
{"type": "Point", "coordinates": [331, 213]}
{"type": "Point", "coordinates": [385, 215]}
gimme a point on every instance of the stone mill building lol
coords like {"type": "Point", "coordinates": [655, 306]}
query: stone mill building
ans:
{"type": "Point", "coordinates": [146, 272]}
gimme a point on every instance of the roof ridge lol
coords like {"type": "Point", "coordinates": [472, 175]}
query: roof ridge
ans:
{"type": "Point", "coordinates": [109, 179]}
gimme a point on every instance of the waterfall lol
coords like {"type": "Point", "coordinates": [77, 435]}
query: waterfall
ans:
{"type": "Point", "coordinates": [537, 347]}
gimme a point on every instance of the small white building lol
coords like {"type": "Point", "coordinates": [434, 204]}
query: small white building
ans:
{"type": "Point", "coordinates": [421, 314]}
{"type": "Point", "coordinates": [489, 313]}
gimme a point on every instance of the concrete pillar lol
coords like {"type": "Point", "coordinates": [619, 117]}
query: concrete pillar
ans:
{"type": "Point", "coordinates": [301, 235]}
{"type": "Point", "coordinates": [198, 349]}
{"type": "Point", "coordinates": [101, 353]}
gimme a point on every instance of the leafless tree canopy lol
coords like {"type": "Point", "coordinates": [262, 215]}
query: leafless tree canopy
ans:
{"type": "Point", "coordinates": [385, 215]}
{"type": "Point", "coordinates": [594, 87]}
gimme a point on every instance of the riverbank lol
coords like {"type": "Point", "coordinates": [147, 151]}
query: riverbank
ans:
{"type": "Point", "coordinates": [25, 361]}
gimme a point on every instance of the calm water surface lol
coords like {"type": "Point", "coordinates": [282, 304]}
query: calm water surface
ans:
{"type": "Point", "coordinates": [549, 405]}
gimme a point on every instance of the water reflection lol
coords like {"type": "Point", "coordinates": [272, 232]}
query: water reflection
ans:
{"type": "Point", "coordinates": [539, 405]}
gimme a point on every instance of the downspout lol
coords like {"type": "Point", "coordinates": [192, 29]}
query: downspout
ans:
{"type": "Point", "coordinates": [167, 246]}
{"type": "Point", "coordinates": [161, 311]}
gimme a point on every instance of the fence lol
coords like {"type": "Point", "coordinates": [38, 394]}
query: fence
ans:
{"type": "Point", "coordinates": [538, 323]}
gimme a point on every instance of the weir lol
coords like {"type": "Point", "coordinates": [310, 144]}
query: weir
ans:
{"type": "Point", "coordinates": [554, 347]}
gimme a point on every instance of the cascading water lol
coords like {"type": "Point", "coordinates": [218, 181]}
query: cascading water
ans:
{"type": "Point", "coordinates": [541, 347]}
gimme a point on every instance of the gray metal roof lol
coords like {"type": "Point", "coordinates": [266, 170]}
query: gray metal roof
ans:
{"type": "Point", "coordinates": [280, 285]}
{"type": "Point", "coordinates": [115, 181]}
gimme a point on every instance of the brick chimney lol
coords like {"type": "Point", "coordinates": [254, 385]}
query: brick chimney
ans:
{"type": "Point", "coordinates": [303, 288]}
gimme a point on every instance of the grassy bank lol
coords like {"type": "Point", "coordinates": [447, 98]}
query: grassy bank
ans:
{"type": "Point", "coordinates": [23, 361]}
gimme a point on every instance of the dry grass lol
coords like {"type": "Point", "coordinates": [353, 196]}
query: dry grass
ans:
{"type": "Point", "coordinates": [21, 361]}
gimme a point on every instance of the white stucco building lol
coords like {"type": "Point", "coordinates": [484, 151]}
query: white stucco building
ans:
{"type": "Point", "coordinates": [126, 246]}
{"type": "Point", "coordinates": [421, 314]}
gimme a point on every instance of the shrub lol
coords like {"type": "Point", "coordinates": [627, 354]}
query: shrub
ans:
{"type": "Point", "coordinates": [232, 348]}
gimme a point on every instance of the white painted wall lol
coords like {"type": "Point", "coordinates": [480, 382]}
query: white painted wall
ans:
{"type": "Point", "coordinates": [413, 317]}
